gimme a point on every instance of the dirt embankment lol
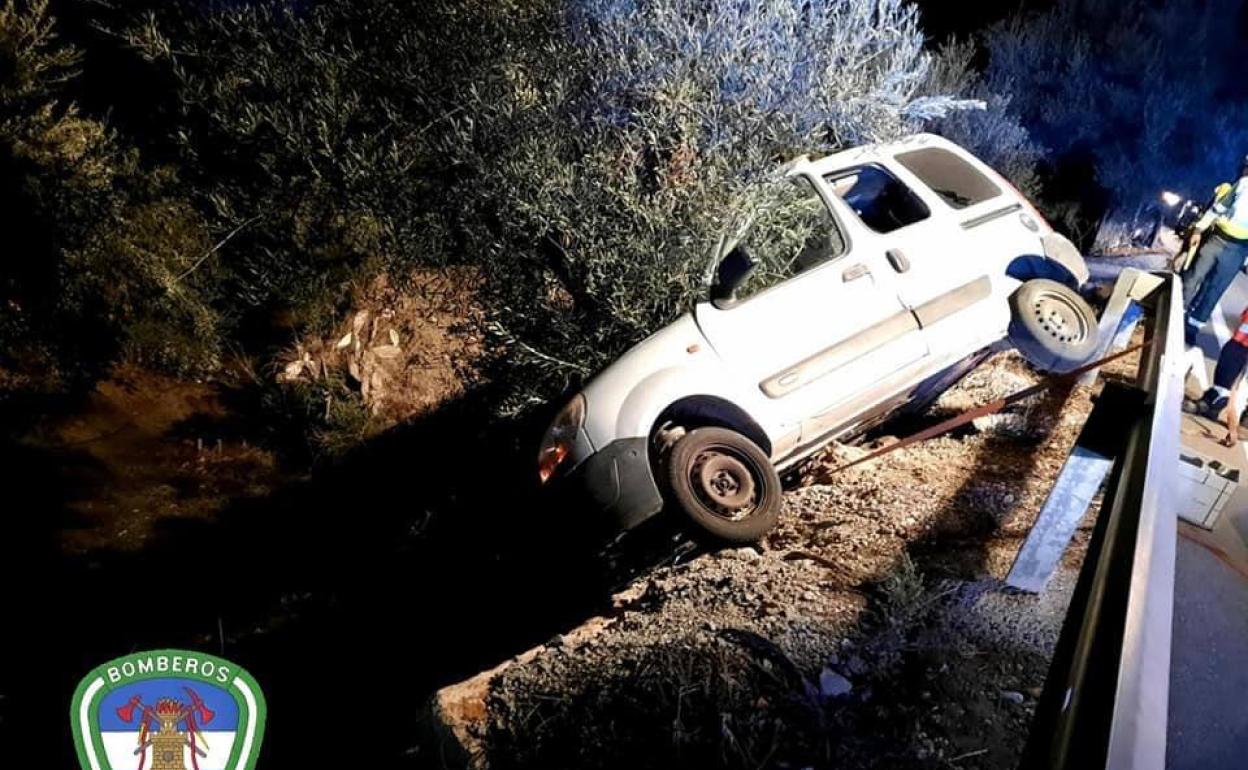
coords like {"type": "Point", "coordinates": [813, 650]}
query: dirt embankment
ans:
{"type": "Point", "coordinates": [404, 348]}
{"type": "Point", "coordinates": [142, 448]}
{"type": "Point", "coordinates": [869, 630]}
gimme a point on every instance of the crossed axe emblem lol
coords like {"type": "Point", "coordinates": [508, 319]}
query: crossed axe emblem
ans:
{"type": "Point", "coordinates": [168, 710]}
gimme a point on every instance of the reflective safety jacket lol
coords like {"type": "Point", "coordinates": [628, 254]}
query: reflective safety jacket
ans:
{"type": "Point", "coordinates": [1241, 332]}
{"type": "Point", "coordinates": [1229, 213]}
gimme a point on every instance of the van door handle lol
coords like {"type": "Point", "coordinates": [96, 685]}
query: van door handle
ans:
{"type": "Point", "coordinates": [898, 260]}
{"type": "Point", "coordinates": [854, 272]}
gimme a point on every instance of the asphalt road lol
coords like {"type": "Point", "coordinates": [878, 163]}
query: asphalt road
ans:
{"type": "Point", "coordinates": [1209, 657]}
{"type": "Point", "coordinates": [1209, 664]}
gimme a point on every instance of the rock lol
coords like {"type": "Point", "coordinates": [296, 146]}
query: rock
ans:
{"type": "Point", "coordinates": [833, 685]}
{"type": "Point", "coordinates": [856, 666]}
{"type": "Point", "coordinates": [1013, 696]}
{"type": "Point", "coordinates": [291, 372]}
{"type": "Point", "coordinates": [1002, 424]}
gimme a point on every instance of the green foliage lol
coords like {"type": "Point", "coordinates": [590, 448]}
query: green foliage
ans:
{"type": "Point", "coordinates": [323, 418]}
{"type": "Point", "coordinates": [101, 259]}
{"type": "Point", "coordinates": [308, 132]}
{"type": "Point", "coordinates": [903, 599]}
{"type": "Point", "coordinates": [32, 64]}
{"type": "Point", "coordinates": [1130, 96]}
{"type": "Point", "coordinates": [609, 162]}
{"type": "Point", "coordinates": [590, 156]}
{"type": "Point", "coordinates": [996, 135]}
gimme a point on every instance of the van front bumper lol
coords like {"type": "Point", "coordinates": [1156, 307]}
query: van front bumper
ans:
{"type": "Point", "coordinates": [618, 481]}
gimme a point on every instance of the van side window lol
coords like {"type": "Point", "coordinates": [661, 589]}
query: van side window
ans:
{"type": "Point", "coordinates": [957, 182]}
{"type": "Point", "coordinates": [792, 231]}
{"type": "Point", "coordinates": [879, 199]}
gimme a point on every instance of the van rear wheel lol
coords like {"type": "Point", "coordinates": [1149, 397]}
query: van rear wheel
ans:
{"type": "Point", "coordinates": [1052, 326]}
{"type": "Point", "coordinates": [725, 484]}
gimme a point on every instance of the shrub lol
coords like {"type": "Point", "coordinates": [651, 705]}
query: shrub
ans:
{"type": "Point", "coordinates": [103, 254]}
{"type": "Point", "coordinates": [607, 164]}
{"type": "Point", "coordinates": [1138, 93]}
{"type": "Point", "coordinates": [995, 135]}
{"type": "Point", "coordinates": [588, 155]}
{"type": "Point", "coordinates": [308, 132]}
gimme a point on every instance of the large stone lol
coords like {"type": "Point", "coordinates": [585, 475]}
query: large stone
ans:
{"type": "Point", "coordinates": [458, 713]}
{"type": "Point", "coordinates": [833, 685]}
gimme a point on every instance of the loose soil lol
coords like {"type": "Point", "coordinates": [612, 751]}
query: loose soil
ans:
{"type": "Point", "coordinates": [871, 629]}
{"type": "Point", "coordinates": [405, 347]}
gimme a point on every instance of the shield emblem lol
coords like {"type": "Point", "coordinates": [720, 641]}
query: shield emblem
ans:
{"type": "Point", "coordinates": [168, 710]}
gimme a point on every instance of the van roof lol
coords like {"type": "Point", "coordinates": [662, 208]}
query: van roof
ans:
{"type": "Point", "coordinates": [866, 153]}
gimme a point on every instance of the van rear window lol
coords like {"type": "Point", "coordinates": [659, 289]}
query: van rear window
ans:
{"type": "Point", "coordinates": [957, 182]}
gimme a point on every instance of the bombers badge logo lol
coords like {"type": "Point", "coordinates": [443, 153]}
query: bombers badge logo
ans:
{"type": "Point", "coordinates": [168, 710]}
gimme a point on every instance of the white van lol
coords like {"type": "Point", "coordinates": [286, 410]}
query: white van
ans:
{"type": "Point", "coordinates": [878, 274]}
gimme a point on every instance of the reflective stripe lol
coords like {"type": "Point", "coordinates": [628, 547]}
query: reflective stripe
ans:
{"type": "Point", "coordinates": [1232, 229]}
{"type": "Point", "coordinates": [1241, 333]}
{"type": "Point", "coordinates": [1231, 207]}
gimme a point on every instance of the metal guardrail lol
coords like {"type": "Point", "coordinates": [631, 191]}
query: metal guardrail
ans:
{"type": "Point", "coordinates": [1105, 703]}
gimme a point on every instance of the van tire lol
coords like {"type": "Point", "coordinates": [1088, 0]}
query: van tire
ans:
{"type": "Point", "coordinates": [725, 484]}
{"type": "Point", "coordinates": [1052, 326]}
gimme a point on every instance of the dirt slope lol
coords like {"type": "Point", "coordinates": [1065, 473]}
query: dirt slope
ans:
{"type": "Point", "coordinates": [869, 630]}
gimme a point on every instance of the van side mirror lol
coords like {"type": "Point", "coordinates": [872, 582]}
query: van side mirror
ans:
{"type": "Point", "coordinates": [733, 271]}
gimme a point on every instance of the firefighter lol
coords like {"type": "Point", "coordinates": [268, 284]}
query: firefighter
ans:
{"type": "Point", "coordinates": [1221, 255]}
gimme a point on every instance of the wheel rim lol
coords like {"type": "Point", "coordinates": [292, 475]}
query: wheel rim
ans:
{"type": "Point", "coordinates": [1060, 318]}
{"type": "Point", "coordinates": [726, 482]}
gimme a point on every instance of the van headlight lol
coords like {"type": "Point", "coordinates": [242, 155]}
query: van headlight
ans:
{"type": "Point", "coordinates": [560, 438]}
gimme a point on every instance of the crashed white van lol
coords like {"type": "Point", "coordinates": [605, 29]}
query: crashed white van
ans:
{"type": "Point", "coordinates": [881, 275]}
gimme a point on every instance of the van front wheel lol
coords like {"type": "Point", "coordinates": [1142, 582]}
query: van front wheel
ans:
{"type": "Point", "coordinates": [725, 484]}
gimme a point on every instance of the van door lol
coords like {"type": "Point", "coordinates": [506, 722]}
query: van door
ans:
{"type": "Point", "coordinates": [995, 223]}
{"type": "Point", "coordinates": [926, 251]}
{"type": "Point", "coordinates": [818, 322]}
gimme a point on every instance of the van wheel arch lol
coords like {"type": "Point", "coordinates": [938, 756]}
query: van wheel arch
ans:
{"type": "Point", "coordinates": [705, 411]}
{"type": "Point", "coordinates": [1029, 267]}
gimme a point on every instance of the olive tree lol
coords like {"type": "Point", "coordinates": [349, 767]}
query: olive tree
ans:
{"type": "Point", "coordinates": [101, 253]}
{"type": "Point", "coordinates": [1141, 95]}
{"type": "Point", "coordinates": [608, 162]}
